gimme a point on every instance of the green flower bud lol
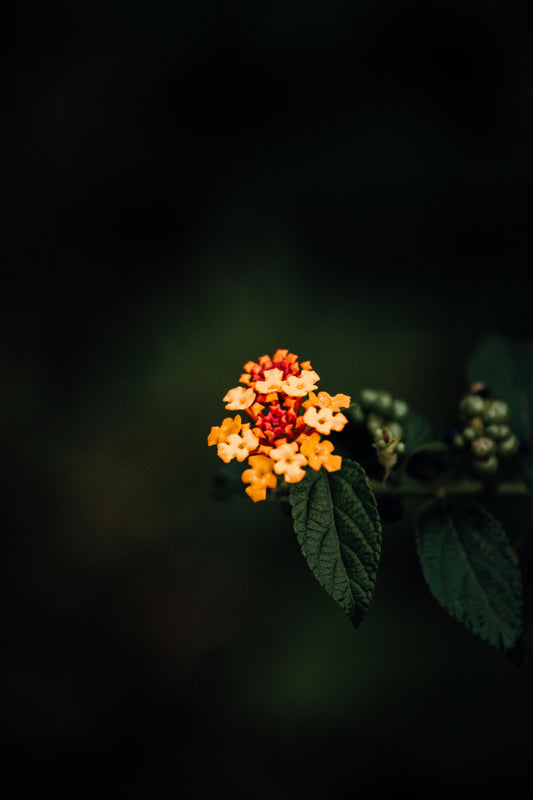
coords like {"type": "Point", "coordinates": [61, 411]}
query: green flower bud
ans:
{"type": "Point", "coordinates": [469, 434]}
{"type": "Point", "coordinates": [367, 398]}
{"type": "Point", "coordinates": [400, 409]}
{"type": "Point", "coordinates": [387, 449]}
{"type": "Point", "coordinates": [458, 441]}
{"type": "Point", "coordinates": [509, 446]}
{"type": "Point", "coordinates": [374, 422]}
{"type": "Point", "coordinates": [498, 432]}
{"type": "Point", "coordinates": [483, 446]}
{"type": "Point", "coordinates": [495, 411]}
{"type": "Point", "coordinates": [476, 423]}
{"type": "Point", "coordinates": [395, 429]}
{"type": "Point", "coordinates": [485, 467]}
{"type": "Point", "coordinates": [383, 403]}
{"type": "Point", "coordinates": [472, 405]}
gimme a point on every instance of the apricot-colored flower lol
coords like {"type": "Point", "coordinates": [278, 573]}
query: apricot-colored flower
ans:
{"type": "Point", "coordinates": [300, 385]}
{"type": "Point", "coordinates": [220, 433]}
{"type": "Point", "coordinates": [260, 477]}
{"type": "Point", "coordinates": [239, 398]}
{"type": "Point", "coordinates": [273, 382]}
{"type": "Point", "coordinates": [318, 453]}
{"type": "Point", "coordinates": [337, 402]}
{"type": "Point", "coordinates": [238, 446]}
{"type": "Point", "coordinates": [289, 462]}
{"type": "Point", "coordinates": [324, 420]}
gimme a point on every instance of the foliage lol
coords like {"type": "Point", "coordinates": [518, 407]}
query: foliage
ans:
{"type": "Point", "coordinates": [469, 566]}
{"type": "Point", "coordinates": [339, 530]}
{"type": "Point", "coordinates": [470, 562]}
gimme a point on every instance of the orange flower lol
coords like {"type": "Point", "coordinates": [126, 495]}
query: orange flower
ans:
{"type": "Point", "coordinates": [285, 428]}
{"type": "Point", "coordinates": [299, 386]}
{"type": "Point", "coordinates": [289, 462]}
{"type": "Point", "coordinates": [318, 453]}
{"type": "Point", "coordinates": [237, 446]}
{"type": "Point", "coordinates": [325, 400]}
{"type": "Point", "coordinates": [273, 382]}
{"type": "Point", "coordinates": [220, 433]}
{"type": "Point", "coordinates": [260, 477]}
{"type": "Point", "coordinates": [324, 420]}
{"type": "Point", "coordinates": [239, 398]}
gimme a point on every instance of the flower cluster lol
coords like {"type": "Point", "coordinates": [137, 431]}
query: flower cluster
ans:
{"type": "Point", "coordinates": [287, 420]}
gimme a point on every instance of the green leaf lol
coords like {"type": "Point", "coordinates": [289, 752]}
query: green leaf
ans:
{"type": "Point", "coordinates": [338, 528]}
{"type": "Point", "coordinates": [425, 455]}
{"type": "Point", "coordinates": [470, 568]}
{"type": "Point", "coordinates": [418, 432]}
{"type": "Point", "coordinates": [506, 367]}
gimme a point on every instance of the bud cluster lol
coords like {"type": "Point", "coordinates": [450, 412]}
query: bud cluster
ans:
{"type": "Point", "coordinates": [382, 414]}
{"type": "Point", "coordinates": [485, 437]}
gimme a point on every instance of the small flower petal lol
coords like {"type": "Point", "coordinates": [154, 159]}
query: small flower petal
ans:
{"type": "Point", "coordinates": [289, 462]}
{"type": "Point", "coordinates": [300, 385]}
{"type": "Point", "coordinates": [260, 477]}
{"type": "Point", "coordinates": [324, 420]}
{"type": "Point", "coordinates": [239, 398]}
{"type": "Point", "coordinates": [325, 400]}
{"type": "Point", "coordinates": [272, 383]}
{"type": "Point", "coordinates": [220, 433]}
{"type": "Point", "coordinates": [237, 446]}
{"type": "Point", "coordinates": [318, 453]}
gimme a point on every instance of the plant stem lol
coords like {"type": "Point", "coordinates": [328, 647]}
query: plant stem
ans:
{"type": "Point", "coordinates": [517, 489]}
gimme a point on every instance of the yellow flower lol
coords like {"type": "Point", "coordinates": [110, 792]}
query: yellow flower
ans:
{"type": "Point", "coordinates": [220, 433]}
{"type": "Point", "coordinates": [289, 462]}
{"type": "Point", "coordinates": [237, 446]}
{"type": "Point", "coordinates": [318, 453]}
{"type": "Point", "coordinates": [239, 398]}
{"type": "Point", "coordinates": [273, 381]}
{"type": "Point", "coordinates": [298, 386]}
{"type": "Point", "coordinates": [324, 420]}
{"type": "Point", "coordinates": [260, 477]}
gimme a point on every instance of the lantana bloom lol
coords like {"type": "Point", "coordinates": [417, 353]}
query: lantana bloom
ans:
{"type": "Point", "coordinates": [300, 386]}
{"type": "Point", "coordinates": [289, 462]}
{"type": "Point", "coordinates": [238, 447]}
{"type": "Point", "coordinates": [287, 420]}
{"type": "Point", "coordinates": [260, 477]}
{"type": "Point", "coordinates": [239, 398]}
{"type": "Point", "coordinates": [220, 433]}
{"type": "Point", "coordinates": [273, 382]}
{"type": "Point", "coordinates": [319, 453]}
{"type": "Point", "coordinates": [324, 420]}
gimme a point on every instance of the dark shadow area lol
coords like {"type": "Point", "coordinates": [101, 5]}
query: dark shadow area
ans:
{"type": "Point", "coordinates": [191, 186]}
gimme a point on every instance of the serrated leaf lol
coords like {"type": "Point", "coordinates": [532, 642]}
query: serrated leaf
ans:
{"type": "Point", "coordinates": [469, 566]}
{"type": "Point", "coordinates": [506, 367]}
{"type": "Point", "coordinates": [339, 531]}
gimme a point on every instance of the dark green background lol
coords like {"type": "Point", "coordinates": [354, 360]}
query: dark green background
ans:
{"type": "Point", "coordinates": [192, 186]}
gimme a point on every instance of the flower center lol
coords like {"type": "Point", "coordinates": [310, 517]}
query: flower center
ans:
{"type": "Point", "coordinates": [278, 422]}
{"type": "Point", "coordinates": [286, 367]}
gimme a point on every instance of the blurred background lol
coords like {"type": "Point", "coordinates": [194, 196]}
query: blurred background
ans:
{"type": "Point", "coordinates": [190, 186]}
